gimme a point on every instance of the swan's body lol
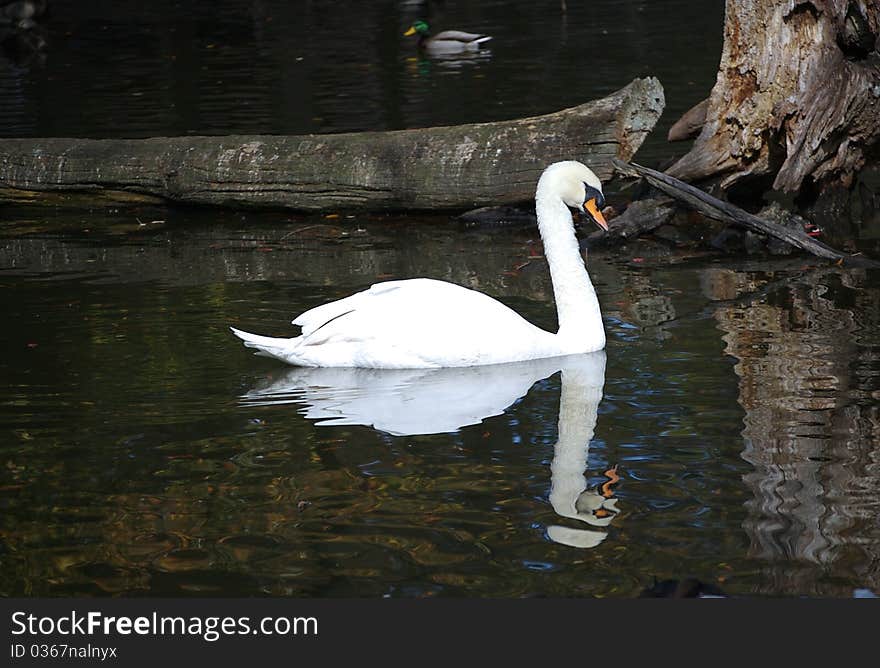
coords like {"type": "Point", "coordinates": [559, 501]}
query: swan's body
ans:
{"type": "Point", "coordinates": [448, 41]}
{"type": "Point", "coordinates": [425, 323]}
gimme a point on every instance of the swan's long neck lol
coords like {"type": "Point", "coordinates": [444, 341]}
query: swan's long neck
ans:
{"type": "Point", "coordinates": [576, 302]}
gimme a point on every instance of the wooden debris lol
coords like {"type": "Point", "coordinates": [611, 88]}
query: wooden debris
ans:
{"type": "Point", "coordinates": [640, 217]}
{"type": "Point", "coordinates": [729, 213]}
{"type": "Point", "coordinates": [690, 124]}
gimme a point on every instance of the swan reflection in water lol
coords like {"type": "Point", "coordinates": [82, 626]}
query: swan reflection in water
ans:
{"type": "Point", "coordinates": [408, 402]}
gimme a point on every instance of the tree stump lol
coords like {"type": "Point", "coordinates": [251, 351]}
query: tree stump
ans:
{"type": "Point", "coordinates": [796, 104]}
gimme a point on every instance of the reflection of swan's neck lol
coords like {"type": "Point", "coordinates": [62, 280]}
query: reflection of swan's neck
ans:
{"type": "Point", "coordinates": [576, 302]}
{"type": "Point", "coordinates": [578, 406]}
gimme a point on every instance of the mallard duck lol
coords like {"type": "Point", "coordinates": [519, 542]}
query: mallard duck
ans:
{"type": "Point", "coordinates": [426, 323]}
{"type": "Point", "coordinates": [448, 41]}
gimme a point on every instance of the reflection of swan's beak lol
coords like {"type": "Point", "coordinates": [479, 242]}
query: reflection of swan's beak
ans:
{"type": "Point", "coordinates": [595, 509]}
{"type": "Point", "coordinates": [591, 206]}
{"type": "Point", "coordinates": [612, 476]}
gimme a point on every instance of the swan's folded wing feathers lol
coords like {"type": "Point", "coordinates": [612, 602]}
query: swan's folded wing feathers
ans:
{"type": "Point", "coordinates": [384, 311]}
{"type": "Point", "coordinates": [390, 318]}
{"type": "Point", "coordinates": [315, 319]}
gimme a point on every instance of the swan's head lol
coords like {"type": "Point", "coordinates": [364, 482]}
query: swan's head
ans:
{"type": "Point", "coordinates": [577, 186]}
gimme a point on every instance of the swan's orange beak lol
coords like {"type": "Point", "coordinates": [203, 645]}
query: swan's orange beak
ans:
{"type": "Point", "coordinates": [411, 31]}
{"type": "Point", "coordinates": [590, 205]}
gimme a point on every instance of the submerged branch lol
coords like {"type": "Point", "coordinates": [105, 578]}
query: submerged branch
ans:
{"type": "Point", "coordinates": [726, 212]}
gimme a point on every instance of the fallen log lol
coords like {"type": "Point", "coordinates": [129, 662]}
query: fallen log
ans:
{"type": "Point", "coordinates": [728, 213]}
{"type": "Point", "coordinates": [453, 167]}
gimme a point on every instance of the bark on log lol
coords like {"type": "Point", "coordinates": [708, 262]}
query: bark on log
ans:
{"type": "Point", "coordinates": [451, 167]}
{"type": "Point", "coordinates": [797, 98]}
{"type": "Point", "coordinates": [728, 213]}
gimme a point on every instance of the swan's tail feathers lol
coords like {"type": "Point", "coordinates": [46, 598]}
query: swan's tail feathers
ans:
{"type": "Point", "coordinates": [480, 40]}
{"type": "Point", "coordinates": [266, 346]}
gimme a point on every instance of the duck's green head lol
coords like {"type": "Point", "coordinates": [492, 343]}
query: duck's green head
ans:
{"type": "Point", "coordinates": [419, 27]}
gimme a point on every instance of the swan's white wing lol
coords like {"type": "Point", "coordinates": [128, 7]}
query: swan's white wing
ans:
{"type": "Point", "coordinates": [417, 322]}
{"type": "Point", "coordinates": [315, 318]}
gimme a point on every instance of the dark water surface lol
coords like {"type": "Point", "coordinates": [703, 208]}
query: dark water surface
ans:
{"type": "Point", "coordinates": [135, 69]}
{"type": "Point", "coordinates": [729, 432]}
{"type": "Point", "coordinates": [144, 451]}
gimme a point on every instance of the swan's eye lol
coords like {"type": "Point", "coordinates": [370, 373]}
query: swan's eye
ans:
{"type": "Point", "coordinates": [594, 193]}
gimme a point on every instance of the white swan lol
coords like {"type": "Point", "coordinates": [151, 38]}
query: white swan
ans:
{"type": "Point", "coordinates": [426, 323]}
